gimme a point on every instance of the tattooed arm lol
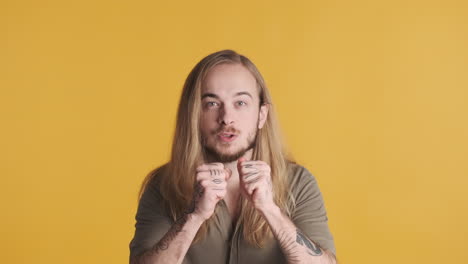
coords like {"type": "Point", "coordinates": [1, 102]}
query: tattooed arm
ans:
{"type": "Point", "coordinates": [296, 246]}
{"type": "Point", "coordinates": [256, 185]}
{"type": "Point", "coordinates": [173, 246]}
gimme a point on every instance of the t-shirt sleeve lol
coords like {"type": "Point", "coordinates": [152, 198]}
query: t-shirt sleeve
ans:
{"type": "Point", "coordinates": [310, 215]}
{"type": "Point", "coordinates": [152, 221]}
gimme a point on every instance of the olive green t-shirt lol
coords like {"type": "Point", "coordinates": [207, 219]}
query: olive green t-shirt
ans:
{"type": "Point", "coordinates": [224, 242]}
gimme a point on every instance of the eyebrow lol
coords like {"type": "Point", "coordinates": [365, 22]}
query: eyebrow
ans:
{"type": "Point", "coordinates": [217, 97]}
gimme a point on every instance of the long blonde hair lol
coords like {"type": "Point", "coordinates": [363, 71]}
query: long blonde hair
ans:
{"type": "Point", "coordinates": [178, 179]}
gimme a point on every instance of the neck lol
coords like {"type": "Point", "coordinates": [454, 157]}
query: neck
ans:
{"type": "Point", "coordinates": [232, 164]}
{"type": "Point", "coordinates": [233, 182]}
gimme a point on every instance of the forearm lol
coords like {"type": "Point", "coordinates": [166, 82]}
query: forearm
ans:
{"type": "Point", "coordinates": [173, 247]}
{"type": "Point", "coordinates": [295, 245]}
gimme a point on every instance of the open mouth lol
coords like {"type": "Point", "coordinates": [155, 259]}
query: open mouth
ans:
{"type": "Point", "coordinates": [227, 137]}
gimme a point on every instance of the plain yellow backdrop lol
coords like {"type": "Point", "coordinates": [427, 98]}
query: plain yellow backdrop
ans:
{"type": "Point", "coordinates": [372, 98]}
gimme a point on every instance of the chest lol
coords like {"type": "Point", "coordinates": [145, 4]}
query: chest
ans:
{"type": "Point", "coordinates": [232, 202]}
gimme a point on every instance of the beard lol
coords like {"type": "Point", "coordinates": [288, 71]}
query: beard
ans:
{"type": "Point", "coordinates": [218, 156]}
{"type": "Point", "coordinates": [228, 157]}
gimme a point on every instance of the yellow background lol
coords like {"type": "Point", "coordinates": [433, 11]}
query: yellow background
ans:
{"type": "Point", "coordinates": [372, 98]}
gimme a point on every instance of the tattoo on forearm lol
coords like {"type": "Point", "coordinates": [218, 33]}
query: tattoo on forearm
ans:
{"type": "Point", "coordinates": [163, 244]}
{"type": "Point", "coordinates": [176, 228]}
{"type": "Point", "coordinates": [288, 247]}
{"type": "Point", "coordinates": [291, 246]}
{"type": "Point", "coordinates": [302, 240]}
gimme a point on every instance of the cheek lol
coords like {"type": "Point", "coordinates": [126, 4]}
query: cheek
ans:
{"type": "Point", "coordinates": [249, 125]}
{"type": "Point", "coordinates": [207, 123]}
{"type": "Point", "coordinates": [253, 120]}
{"type": "Point", "coordinates": [209, 116]}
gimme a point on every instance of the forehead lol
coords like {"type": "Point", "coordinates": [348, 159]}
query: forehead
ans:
{"type": "Point", "coordinates": [229, 79]}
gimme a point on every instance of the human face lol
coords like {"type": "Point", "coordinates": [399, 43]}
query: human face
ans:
{"type": "Point", "coordinates": [231, 112]}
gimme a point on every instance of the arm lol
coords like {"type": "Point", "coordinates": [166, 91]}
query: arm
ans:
{"type": "Point", "coordinates": [297, 247]}
{"type": "Point", "coordinates": [175, 243]}
{"type": "Point", "coordinates": [150, 245]}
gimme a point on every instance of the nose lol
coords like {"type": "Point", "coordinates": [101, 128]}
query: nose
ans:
{"type": "Point", "coordinates": [226, 116]}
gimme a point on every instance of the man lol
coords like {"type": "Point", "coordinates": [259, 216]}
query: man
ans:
{"type": "Point", "coordinates": [228, 193]}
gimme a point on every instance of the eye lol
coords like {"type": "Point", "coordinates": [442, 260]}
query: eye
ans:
{"type": "Point", "coordinates": [241, 103]}
{"type": "Point", "coordinates": [211, 104]}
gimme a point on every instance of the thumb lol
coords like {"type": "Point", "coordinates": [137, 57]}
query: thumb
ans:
{"type": "Point", "coordinates": [239, 166]}
{"type": "Point", "coordinates": [239, 161]}
{"type": "Point", "coordinates": [228, 173]}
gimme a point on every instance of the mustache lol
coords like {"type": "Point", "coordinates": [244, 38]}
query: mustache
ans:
{"type": "Point", "coordinates": [231, 130]}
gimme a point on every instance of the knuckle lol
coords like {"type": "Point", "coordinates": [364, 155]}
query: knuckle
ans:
{"type": "Point", "coordinates": [204, 183]}
{"type": "Point", "coordinates": [200, 176]}
{"type": "Point", "coordinates": [217, 164]}
{"type": "Point", "coordinates": [201, 167]}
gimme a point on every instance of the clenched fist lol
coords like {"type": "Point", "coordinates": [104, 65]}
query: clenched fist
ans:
{"type": "Point", "coordinates": [210, 188]}
{"type": "Point", "coordinates": [255, 183]}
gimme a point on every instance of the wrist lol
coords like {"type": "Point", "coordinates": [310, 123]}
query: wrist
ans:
{"type": "Point", "coordinates": [270, 210]}
{"type": "Point", "coordinates": [196, 218]}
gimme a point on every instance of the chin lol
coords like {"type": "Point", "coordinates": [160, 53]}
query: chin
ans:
{"type": "Point", "coordinates": [221, 155]}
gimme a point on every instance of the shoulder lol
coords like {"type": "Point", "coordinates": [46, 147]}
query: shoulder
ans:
{"type": "Point", "coordinates": [153, 178]}
{"type": "Point", "coordinates": [298, 174]}
{"type": "Point", "coordinates": [151, 186]}
{"type": "Point", "coordinates": [302, 184]}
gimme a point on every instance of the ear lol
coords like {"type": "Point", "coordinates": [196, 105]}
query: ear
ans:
{"type": "Point", "coordinates": [262, 115]}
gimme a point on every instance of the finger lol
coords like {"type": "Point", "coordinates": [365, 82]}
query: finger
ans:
{"type": "Point", "coordinates": [228, 173]}
{"type": "Point", "coordinates": [239, 167]}
{"type": "Point", "coordinates": [254, 179]}
{"type": "Point", "coordinates": [251, 188]}
{"type": "Point", "coordinates": [211, 174]}
{"type": "Point", "coordinates": [213, 184]}
{"type": "Point", "coordinates": [249, 175]}
{"type": "Point", "coordinates": [249, 165]}
{"type": "Point", "coordinates": [215, 172]}
{"type": "Point", "coordinates": [239, 162]}
{"type": "Point", "coordinates": [218, 181]}
{"type": "Point", "coordinates": [246, 168]}
{"type": "Point", "coordinates": [206, 184]}
{"type": "Point", "coordinates": [250, 170]}
{"type": "Point", "coordinates": [253, 163]}
{"type": "Point", "coordinates": [208, 166]}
